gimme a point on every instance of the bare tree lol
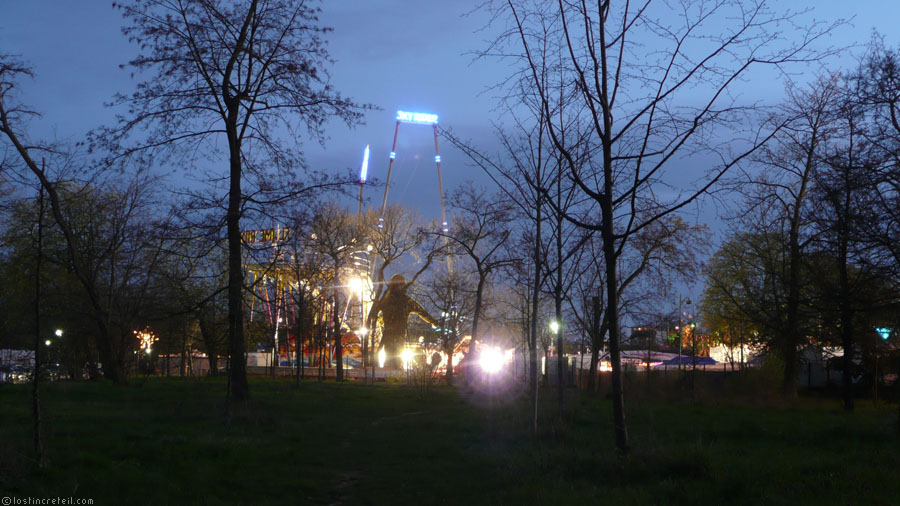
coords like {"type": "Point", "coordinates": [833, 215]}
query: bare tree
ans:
{"type": "Point", "coordinates": [646, 112]}
{"type": "Point", "coordinates": [789, 164]}
{"type": "Point", "coordinates": [105, 224]}
{"type": "Point", "coordinates": [449, 294]}
{"type": "Point", "coordinates": [845, 189]}
{"type": "Point", "coordinates": [237, 72]}
{"type": "Point", "coordinates": [333, 232]}
{"type": "Point", "coordinates": [528, 159]}
{"type": "Point", "coordinates": [481, 229]}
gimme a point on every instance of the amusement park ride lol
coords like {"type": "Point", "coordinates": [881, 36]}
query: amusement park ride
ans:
{"type": "Point", "coordinates": [275, 282]}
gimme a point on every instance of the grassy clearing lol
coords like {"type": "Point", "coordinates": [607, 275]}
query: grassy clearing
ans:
{"type": "Point", "coordinates": [167, 441]}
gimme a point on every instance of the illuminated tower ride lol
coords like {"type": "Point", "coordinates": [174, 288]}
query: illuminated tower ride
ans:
{"type": "Point", "coordinates": [418, 118]}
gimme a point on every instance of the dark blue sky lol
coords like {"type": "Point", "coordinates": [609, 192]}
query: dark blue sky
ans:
{"type": "Point", "coordinates": [396, 54]}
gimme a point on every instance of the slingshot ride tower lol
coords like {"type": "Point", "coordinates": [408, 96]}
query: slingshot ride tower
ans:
{"type": "Point", "coordinates": [416, 118]}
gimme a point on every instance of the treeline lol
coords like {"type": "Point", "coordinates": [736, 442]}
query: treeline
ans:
{"type": "Point", "coordinates": [812, 256]}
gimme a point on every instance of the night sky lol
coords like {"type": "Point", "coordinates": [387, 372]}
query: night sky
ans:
{"type": "Point", "coordinates": [395, 54]}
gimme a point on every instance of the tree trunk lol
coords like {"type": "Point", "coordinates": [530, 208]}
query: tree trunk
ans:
{"type": "Point", "coordinates": [846, 308]}
{"type": "Point", "coordinates": [476, 314]}
{"type": "Point", "coordinates": [612, 303]}
{"type": "Point", "coordinates": [35, 393]}
{"type": "Point", "coordinates": [238, 388]}
{"type": "Point", "coordinates": [534, 313]}
{"type": "Point", "coordinates": [596, 340]}
{"type": "Point", "coordinates": [791, 337]}
{"type": "Point", "coordinates": [557, 296]}
{"type": "Point", "coordinates": [338, 344]}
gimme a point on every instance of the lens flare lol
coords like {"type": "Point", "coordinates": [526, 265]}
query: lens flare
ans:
{"type": "Point", "coordinates": [491, 359]}
{"type": "Point", "coordinates": [407, 357]}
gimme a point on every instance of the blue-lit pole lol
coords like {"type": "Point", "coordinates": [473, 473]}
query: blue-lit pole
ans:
{"type": "Point", "coordinates": [437, 161]}
{"type": "Point", "coordinates": [387, 184]}
{"type": "Point", "coordinates": [363, 172]}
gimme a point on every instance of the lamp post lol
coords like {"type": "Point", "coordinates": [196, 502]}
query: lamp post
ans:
{"type": "Point", "coordinates": [554, 328]}
{"type": "Point", "coordinates": [362, 341]}
{"type": "Point", "coordinates": [681, 329]}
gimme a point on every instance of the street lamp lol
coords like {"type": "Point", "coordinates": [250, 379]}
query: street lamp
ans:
{"type": "Point", "coordinates": [356, 285]}
{"type": "Point", "coordinates": [554, 326]}
{"type": "Point", "coordinates": [58, 332]}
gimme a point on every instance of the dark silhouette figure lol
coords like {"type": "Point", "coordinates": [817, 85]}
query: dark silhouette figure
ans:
{"type": "Point", "coordinates": [396, 306]}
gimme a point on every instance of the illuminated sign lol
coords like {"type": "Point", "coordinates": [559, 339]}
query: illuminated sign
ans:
{"type": "Point", "coordinates": [266, 235]}
{"type": "Point", "coordinates": [365, 166]}
{"type": "Point", "coordinates": [417, 117]}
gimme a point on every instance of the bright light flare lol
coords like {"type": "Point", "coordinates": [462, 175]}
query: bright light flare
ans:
{"type": "Point", "coordinates": [356, 285]}
{"type": "Point", "coordinates": [492, 359]}
{"type": "Point", "coordinates": [407, 356]}
{"type": "Point", "coordinates": [382, 357]}
{"type": "Point", "coordinates": [146, 338]}
{"type": "Point", "coordinates": [58, 332]}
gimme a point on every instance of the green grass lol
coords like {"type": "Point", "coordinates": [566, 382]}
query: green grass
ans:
{"type": "Point", "coordinates": [168, 441]}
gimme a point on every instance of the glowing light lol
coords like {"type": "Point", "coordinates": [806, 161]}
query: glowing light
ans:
{"type": "Point", "coordinates": [58, 332]}
{"type": "Point", "coordinates": [356, 286]}
{"type": "Point", "coordinates": [554, 326]}
{"type": "Point", "coordinates": [365, 166]}
{"type": "Point", "coordinates": [362, 331]}
{"type": "Point", "coordinates": [491, 359]}
{"type": "Point", "coordinates": [417, 117]}
{"type": "Point", "coordinates": [437, 159]}
{"type": "Point", "coordinates": [146, 338]}
{"type": "Point", "coordinates": [884, 332]}
{"type": "Point", "coordinates": [407, 356]}
{"type": "Point", "coordinates": [382, 356]}
{"type": "Point", "coordinates": [393, 155]}
{"type": "Point", "coordinates": [47, 342]}
{"type": "Point", "coordinates": [147, 351]}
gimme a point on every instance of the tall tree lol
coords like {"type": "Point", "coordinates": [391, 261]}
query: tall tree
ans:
{"type": "Point", "coordinates": [103, 219]}
{"type": "Point", "coordinates": [247, 73]}
{"type": "Point", "coordinates": [643, 114]}
{"type": "Point", "coordinates": [789, 165]}
{"type": "Point", "coordinates": [844, 186]}
{"type": "Point", "coordinates": [333, 233]}
{"type": "Point", "coordinates": [480, 231]}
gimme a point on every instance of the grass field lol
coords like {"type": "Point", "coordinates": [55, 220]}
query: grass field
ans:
{"type": "Point", "coordinates": [168, 441]}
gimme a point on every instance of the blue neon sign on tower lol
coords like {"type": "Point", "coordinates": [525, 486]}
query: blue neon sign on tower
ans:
{"type": "Point", "coordinates": [417, 117]}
